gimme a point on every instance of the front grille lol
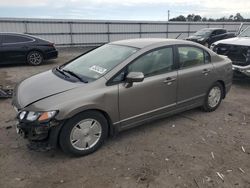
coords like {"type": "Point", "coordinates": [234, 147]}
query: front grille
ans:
{"type": "Point", "coordinates": [240, 55]}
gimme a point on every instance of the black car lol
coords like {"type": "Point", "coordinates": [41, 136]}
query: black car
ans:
{"type": "Point", "coordinates": [16, 48]}
{"type": "Point", "coordinates": [208, 36]}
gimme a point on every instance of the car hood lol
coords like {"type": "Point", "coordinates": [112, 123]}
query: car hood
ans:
{"type": "Point", "coordinates": [40, 86]}
{"type": "Point", "coordinates": [241, 41]}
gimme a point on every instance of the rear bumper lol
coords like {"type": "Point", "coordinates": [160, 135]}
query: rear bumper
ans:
{"type": "Point", "coordinates": [245, 70]}
{"type": "Point", "coordinates": [51, 55]}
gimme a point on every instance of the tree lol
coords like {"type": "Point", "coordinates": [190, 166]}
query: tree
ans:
{"type": "Point", "coordinates": [231, 17]}
{"type": "Point", "coordinates": [180, 18]}
{"type": "Point", "coordinates": [204, 19]}
{"type": "Point", "coordinates": [211, 20]}
{"type": "Point", "coordinates": [238, 17]}
{"type": "Point", "coordinates": [190, 17]}
{"type": "Point", "coordinates": [223, 19]}
{"type": "Point", "coordinates": [197, 18]}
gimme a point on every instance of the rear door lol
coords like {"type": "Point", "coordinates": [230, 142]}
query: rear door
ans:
{"type": "Point", "coordinates": [195, 75]}
{"type": "Point", "coordinates": [153, 96]}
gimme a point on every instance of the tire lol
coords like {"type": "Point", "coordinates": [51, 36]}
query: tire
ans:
{"type": "Point", "coordinates": [34, 58]}
{"type": "Point", "coordinates": [213, 97]}
{"type": "Point", "coordinates": [77, 138]}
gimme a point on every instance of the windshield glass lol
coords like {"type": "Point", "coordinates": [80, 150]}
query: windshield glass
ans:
{"type": "Point", "coordinates": [98, 62]}
{"type": "Point", "coordinates": [245, 33]}
{"type": "Point", "coordinates": [203, 33]}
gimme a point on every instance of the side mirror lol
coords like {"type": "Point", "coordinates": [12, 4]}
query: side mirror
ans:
{"type": "Point", "coordinates": [133, 77]}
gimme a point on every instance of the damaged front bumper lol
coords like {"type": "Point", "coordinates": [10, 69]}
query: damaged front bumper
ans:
{"type": "Point", "coordinates": [41, 136]}
{"type": "Point", "coordinates": [244, 70]}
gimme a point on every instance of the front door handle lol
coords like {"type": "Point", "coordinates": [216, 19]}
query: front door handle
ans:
{"type": "Point", "coordinates": [169, 80]}
{"type": "Point", "coordinates": [206, 71]}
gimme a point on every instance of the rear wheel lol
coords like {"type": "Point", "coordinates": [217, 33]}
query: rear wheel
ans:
{"type": "Point", "coordinates": [34, 58]}
{"type": "Point", "coordinates": [84, 133]}
{"type": "Point", "coordinates": [213, 97]}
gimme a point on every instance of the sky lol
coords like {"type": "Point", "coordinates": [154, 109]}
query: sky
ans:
{"type": "Point", "coordinates": [121, 9]}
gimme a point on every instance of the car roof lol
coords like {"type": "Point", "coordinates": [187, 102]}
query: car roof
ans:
{"type": "Point", "coordinates": [24, 35]}
{"type": "Point", "coordinates": [146, 42]}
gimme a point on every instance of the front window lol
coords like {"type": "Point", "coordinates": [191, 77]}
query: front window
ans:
{"type": "Point", "coordinates": [154, 63]}
{"type": "Point", "coordinates": [98, 62]}
{"type": "Point", "coordinates": [245, 33]}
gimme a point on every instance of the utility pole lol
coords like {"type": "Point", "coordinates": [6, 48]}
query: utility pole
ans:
{"type": "Point", "coordinates": [168, 15]}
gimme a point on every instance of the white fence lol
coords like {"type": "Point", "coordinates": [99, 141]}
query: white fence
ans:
{"type": "Point", "coordinates": [97, 32]}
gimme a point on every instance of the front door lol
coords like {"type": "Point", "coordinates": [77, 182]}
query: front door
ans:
{"type": "Point", "coordinates": [153, 96]}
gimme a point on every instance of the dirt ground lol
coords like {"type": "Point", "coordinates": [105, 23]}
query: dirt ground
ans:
{"type": "Point", "coordinates": [190, 149]}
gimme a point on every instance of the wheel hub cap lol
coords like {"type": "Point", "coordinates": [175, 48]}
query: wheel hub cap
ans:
{"type": "Point", "coordinates": [214, 96]}
{"type": "Point", "coordinates": [85, 134]}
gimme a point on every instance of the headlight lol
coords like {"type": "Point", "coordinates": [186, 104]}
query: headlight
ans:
{"type": "Point", "coordinates": [33, 116]}
{"type": "Point", "coordinates": [22, 115]}
{"type": "Point", "coordinates": [47, 115]}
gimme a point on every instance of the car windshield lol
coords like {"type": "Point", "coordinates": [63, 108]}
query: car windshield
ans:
{"type": "Point", "coordinates": [203, 33]}
{"type": "Point", "coordinates": [245, 33]}
{"type": "Point", "coordinates": [98, 62]}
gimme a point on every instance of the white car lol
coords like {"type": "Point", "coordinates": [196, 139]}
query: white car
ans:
{"type": "Point", "coordinates": [238, 50]}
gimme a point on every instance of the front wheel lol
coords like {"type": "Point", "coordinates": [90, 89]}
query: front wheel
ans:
{"type": "Point", "coordinates": [84, 133]}
{"type": "Point", "coordinates": [213, 98]}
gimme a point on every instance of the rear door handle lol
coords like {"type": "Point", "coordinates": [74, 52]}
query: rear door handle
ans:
{"type": "Point", "coordinates": [169, 80]}
{"type": "Point", "coordinates": [206, 71]}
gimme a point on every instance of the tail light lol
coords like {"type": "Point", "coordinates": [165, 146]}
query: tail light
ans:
{"type": "Point", "coordinates": [51, 44]}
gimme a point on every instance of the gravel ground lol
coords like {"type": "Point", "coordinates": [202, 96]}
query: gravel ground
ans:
{"type": "Point", "coordinates": [191, 149]}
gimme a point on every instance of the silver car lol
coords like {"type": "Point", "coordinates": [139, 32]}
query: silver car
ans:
{"type": "Point", "coordinates": [115, 87]}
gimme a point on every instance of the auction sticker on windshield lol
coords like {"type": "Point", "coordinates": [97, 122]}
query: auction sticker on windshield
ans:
{"type": "Point", "coordinates": [98, 69]}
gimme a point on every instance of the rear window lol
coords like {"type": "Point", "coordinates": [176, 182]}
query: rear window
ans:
{"type": "Point", "coordinates": [9, 39]}
{"type": "Point", "coordinates": [190, 56]}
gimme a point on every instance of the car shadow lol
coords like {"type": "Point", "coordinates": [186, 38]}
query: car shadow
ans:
{"type": "Point", "coordinates": [57, 153]}
{"type": "Point", "coordinates": [244, 82]}
{"type": "Point", "coordinates": [154, 124]}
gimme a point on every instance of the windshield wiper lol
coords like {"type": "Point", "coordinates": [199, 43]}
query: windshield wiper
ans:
{"type": "Point", "coordinates": [60, 71]}
{"type": "Point", "coordinates": [75, 75]}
